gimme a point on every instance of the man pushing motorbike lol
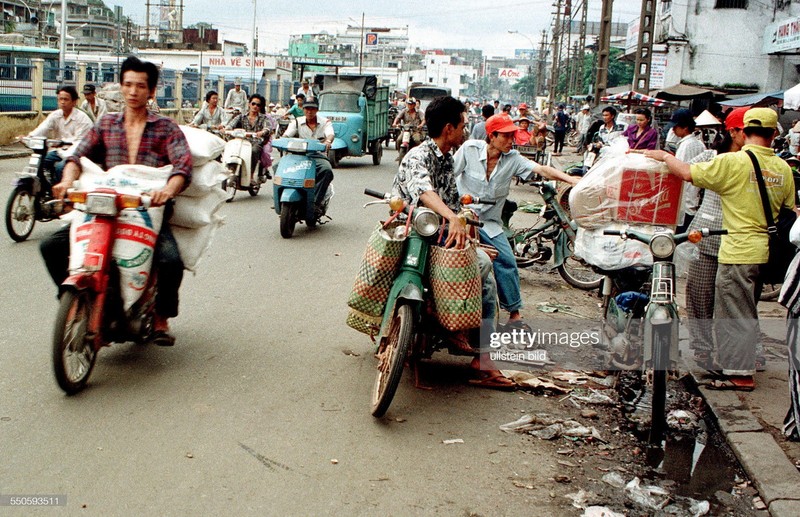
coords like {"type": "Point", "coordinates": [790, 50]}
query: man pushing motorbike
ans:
{"type": "Point", "coordinates": [134, 136]}
{"type": "Point", "coordinates": [426, 176]}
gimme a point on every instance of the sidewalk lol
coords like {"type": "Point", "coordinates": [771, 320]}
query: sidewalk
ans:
{"type": "Point", "coordinates": [752, 422]}
{"type": "Point", "coordinates": [16, 150]}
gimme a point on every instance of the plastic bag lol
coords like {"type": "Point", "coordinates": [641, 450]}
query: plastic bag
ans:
{"type": "Point", "coordinates": [611, 252]}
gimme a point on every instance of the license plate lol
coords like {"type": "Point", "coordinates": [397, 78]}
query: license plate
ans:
{"type": "Point", "coordinates": [337, 119]}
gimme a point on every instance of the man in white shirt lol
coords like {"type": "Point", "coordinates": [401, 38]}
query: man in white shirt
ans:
{"type": "Point", "coordinates": [237, 98]}
{"type": "Point", "coordinates": [93, 106]}
{"type": "Point", "coordinates": [583, 121]}
{"type": "Point", "coordinates": [66, 123]}
{"type": "Point", "coordinates": [311, 127]}
{"type": "Point", "coordinates": [688, 147]}
{"type": "Point", "coordinates": [306, 90]}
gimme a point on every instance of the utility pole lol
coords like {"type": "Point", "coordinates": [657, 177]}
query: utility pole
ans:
{"type": "Point", "coordinates": [603, 49]}
{"type": "Point", "coordinates": [542, 62]}
{"type": "Point", "coordinates": [361, 52]}
{"type": "Point", "coordinates": [582, 46]}
{"type": "Point", "coordinates": [555, 66]}
{"type": "Point", "coordinates": [566, 44]}
{"type": "Point", "coordinates": [644, 49]}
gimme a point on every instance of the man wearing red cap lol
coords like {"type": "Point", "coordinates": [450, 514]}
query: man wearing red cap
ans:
{"type": "Point", "coordinates": [485, 168]}
{"type": "Point", "coordinates": [745, 248]}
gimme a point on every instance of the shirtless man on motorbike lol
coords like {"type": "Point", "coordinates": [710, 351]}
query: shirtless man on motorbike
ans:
{"type": "Point", "coordinates": [426, 177]}
{"type": "Point", "coordinates": [134, 136]}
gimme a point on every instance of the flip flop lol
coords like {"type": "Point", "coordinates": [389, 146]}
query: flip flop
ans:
{"type": "Point", "coordinates": [514, 325]}
{"type": "Point", "coordinates": [732, 384]}
{"type": "Point", "coordinates": [163, 338]}
{"type": "Point", "coordinates": [496, 381]}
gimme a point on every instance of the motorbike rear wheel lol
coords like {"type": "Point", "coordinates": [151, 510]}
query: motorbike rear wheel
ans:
{"type": "Point", "coordinates": [333, 158]}
{"type": "Point", "coordinates": [20, 214]}
{"type": "Point", "coordinates": [577, 273]}
{"type": "Point", "coordinates": [73, 353]}
{"type": "Point", "coordinates": [288, 220]}
{"type": "Point", "coordinates": [391, 359]}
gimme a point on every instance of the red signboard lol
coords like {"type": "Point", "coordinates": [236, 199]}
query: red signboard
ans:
{"type": "Point", "coordinates": [651, 198]}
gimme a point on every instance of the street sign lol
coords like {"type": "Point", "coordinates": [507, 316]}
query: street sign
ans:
{"type": "Point", "coordinates": [371, 39]}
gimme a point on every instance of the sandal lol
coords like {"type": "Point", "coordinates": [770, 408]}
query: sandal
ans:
{"type": "Point", "coordinates": [460, 342]}
{"type": "Point", "coordinates": [163, 338]}
{"type": "Point", "coordinates": [742, 383]}
{"type": "Point", "coordinates": [512, 325]}
{"type": "Point", "coordinates": [493, 380]}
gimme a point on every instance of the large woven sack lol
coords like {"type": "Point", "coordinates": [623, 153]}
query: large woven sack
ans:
{"type": "Point", "coordinates": [375, 276]}
{"type": "Point", "coordinates": [369, 325]}
{"type": "Point", "coordinates": [456, 285]}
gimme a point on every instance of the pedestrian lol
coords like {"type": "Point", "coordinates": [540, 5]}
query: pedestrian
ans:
{"type": "Point", "coordinates": [642, 135]}
{"type": "Point", "coordinates": [689, 146]}
{"type": "Point", "coordinates": [583, 121]}
{"type": "Point", "coordinates": [560, 126]}
{"type": "Point", "coordinates": [236, 98]}
{"type": "Point", "coordinates": [702, 270]}
{"type": "Point", "coordinates": [745, 248]}
{"type": "Point", "coordinates": [485, 168]}
{"type": "Point", "coordinates": [479, 130]}
{"type": "Point", "coordinates": [794, 138]}
{"type": "Point", "coordinates": [790, 298]}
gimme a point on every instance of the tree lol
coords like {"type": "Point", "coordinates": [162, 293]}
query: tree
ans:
{"type": "Point", "coordinates": [526, 86]}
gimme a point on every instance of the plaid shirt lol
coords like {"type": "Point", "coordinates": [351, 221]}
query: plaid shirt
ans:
{"type": "Point", "coordinates": [426, 168]}
{"type": "Point", "coordinates": [163, 143]}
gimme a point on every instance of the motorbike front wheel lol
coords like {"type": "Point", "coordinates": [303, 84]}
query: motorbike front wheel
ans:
{"type": "Point", "coordinates": [288, 220]}
{"type": "Point", "coordinates": [577, 273]}
{"type": "Point", "coordinates": [770, 292]}
{"type": "Point", "coordinates": [20, 214]}
{"type": "Point", "coordinates": [73, 352]}
{"type": "Point", "coordinates": [391, 359]}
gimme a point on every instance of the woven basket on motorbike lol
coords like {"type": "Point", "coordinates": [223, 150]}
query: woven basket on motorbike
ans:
{"type": "Point", "coordinates": [456, 286]}
{"type": "Point", "coordinates": [376, 274]}
{"type": "Point", "coordinates": [369, 325]}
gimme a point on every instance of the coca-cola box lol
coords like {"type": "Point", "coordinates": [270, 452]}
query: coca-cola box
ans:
{"type": "Point", "coordinates": [648, 196]}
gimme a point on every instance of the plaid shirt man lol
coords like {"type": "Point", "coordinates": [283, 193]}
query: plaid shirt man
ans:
{"type": "Point", "coordinates": [162, 143]}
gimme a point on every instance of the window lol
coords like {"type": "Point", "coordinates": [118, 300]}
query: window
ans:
{"type": "Point", "coordinates": [730, 4]}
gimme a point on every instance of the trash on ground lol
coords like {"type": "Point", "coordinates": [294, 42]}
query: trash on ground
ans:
{"type": "Point", "coordinates": [600, 511]}
{"type": "Point", "coordinates": [682, 420]}
{"type": "Point", "coordinates": [454, 440]}
{"type": "Point", "coordinates": [519, 484]}
{"type": "Point", "coordinates": [581, 499]}
{"type": "Point", "coordinates": [529, 380]}
{"type": "Point", "coordinates": [551, 307]}
{"type": "Point", "coordinates": [545, 427]}
{"type": "Point", "coordinates": [648, 496]}
{"type": "Point", "coordinates": [594, 397]}
{"type": "Point", "coordinates": [614, 479]}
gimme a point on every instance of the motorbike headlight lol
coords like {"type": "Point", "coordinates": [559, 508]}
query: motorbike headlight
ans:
{"type": "Point", "coordinates": [101, 204]}
{"type": "Point", "coordinates": [34, 143]}
{"type": "Point", "coordinates": [662, 246]}
{"type": "Point", "coordinates": [297, 146]}
{"type": "Point", "coordinates": [426, 222]}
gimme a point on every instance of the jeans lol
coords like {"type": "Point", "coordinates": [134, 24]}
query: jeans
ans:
{"type": "Point", "coordinates": [167, 263]}
{"type": "Point", "coordinates": [558, 140]}
{"type": "Point", "coordinates": [505, 272]}
{"type": "Point", "coordinates": [488, 298]}
{"type": "Point", "coordinates": [54, 162]}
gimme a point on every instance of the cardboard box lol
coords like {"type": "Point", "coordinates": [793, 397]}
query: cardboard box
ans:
{"type": "Point", "coordinates": [650, 197]}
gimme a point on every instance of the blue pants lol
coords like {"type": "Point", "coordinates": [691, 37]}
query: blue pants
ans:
{"type": "Point", "coordinates": [54, 162]}
{"type": "Point", "coordinates": [505, 272]}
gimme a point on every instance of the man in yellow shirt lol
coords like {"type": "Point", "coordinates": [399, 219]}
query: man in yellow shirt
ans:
{"type": "Point", "coordinates": [746, 247]}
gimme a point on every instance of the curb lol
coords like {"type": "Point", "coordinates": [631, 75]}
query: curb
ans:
{"type": "Point", "coordinates": [14, 154]}
{"type": "Point", "coordinates": [774, 476]}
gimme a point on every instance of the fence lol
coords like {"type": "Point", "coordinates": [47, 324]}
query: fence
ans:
{"type": "Point", "coordinates": [19, 84]}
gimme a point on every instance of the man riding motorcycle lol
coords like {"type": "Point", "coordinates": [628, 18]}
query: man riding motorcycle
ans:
{"type": "Point", "coordinates": [310, 126]}
{"type": "Point", "coordinates": [133, 137]}
{"type": "Point", "coordinates": [410, 116]}
{"type": "Point", "coordinates": [426, 177]}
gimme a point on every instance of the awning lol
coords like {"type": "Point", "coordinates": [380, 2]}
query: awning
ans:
{"type": "Point", "coordinates": [684, 92]}
{"type": "Point", "coordinates": [632, 97]}
{"type": "Point", "coordinates": [755, 100]}
{"type": "Point", "coordinates": [791, 98]}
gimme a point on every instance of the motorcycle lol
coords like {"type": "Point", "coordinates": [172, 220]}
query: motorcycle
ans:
{"type": "Point", "coordinates": [410, 137]}
{"type": "Point", "coordinates": [409, 329]}
{"type": "Point", "coordinates": [236, 158]}
{"type": "Point", "coordinates": [92, 308]}
{"type": "Point", "coordinates": [294, 184]}
{"type": "Point", "coordinates": [555, 225]}
{"type": "Point", "coordinates": [29, 201]}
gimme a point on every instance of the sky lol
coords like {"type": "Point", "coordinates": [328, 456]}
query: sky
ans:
{"type": "Point", "coordinates": [480, 24]}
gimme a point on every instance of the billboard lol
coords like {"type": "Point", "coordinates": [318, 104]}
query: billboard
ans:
{"type": "Point", "coordinates": [509, 73]}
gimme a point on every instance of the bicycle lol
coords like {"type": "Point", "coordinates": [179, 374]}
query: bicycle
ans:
{"type": "Point", "coordinates": [640, 328]}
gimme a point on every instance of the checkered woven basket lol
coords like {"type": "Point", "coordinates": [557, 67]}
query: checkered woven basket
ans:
{"type": "Point", "coordinates": [375, 276]}
{"type": "Point", "coordinates": [369, 325]}
{"type": "Point", "coordinates": [456, 285]}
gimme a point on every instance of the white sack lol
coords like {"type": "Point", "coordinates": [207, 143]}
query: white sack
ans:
{"type": "Point", "coordinates": [204, 178]}
{"type": "Point", "coordinates": [203, 145]}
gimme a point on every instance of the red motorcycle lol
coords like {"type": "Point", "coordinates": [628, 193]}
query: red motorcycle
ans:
{"type": "Point", "coordinates": [107, 298]}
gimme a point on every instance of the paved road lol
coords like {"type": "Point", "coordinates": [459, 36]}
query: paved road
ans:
{"type": "Point", "coordinates": [262, 406]}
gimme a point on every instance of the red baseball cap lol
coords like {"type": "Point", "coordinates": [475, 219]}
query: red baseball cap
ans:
{"type": "Point", "coordinates": [501, 123]}
{"type": "Point", "coordinates": [735, 119]}
{"type": "Point", "coordinates": [522, 106]}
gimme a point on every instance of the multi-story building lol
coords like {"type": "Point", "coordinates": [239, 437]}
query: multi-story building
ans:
{"type": "Point", "coordinates": [91, 26]}
{"type": "Point", "coordinates": [730, 44]}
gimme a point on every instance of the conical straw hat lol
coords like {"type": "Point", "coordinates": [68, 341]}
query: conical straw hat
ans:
{"type": "Point", "coordinates": [707, 119]}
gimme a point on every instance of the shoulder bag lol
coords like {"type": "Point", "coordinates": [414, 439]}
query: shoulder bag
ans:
{"type": "Point", "coordinates": [781, 250]}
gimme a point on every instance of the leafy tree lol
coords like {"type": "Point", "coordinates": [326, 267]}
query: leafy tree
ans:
{"type": "Point", "coordinates": [526, 87]}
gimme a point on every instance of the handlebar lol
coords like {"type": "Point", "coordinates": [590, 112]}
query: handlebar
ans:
{"type": "Point", "coordinates": [645, 237]}
{"type": "Point", "coordinates": [386, 197]}
{"type": "Point", "coordinates": [375, 193]}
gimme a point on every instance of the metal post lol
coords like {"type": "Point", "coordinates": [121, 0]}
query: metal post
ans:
{"type": "Point", "coordinates": [201, 90]}
{"type": "Point", "coordinates": [63, 41]}
{"type": "Point", "coordinates": [554, 69]}
{"type": "Point", "coordinates": [361, 52]}
{"type": "Point", "coordinates": [603, 46]}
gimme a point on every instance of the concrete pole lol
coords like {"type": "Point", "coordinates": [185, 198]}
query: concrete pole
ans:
{"type": "Point", "coordinates": [80, 79]}
{"type": "Point", "coordinates": [603, 50]}
{"type": "Point", "coordinates": [555, 65]}
{"type": "Point", "coordinates": [63, 43]}
{"type": "Point", "coordinates": [179, 90]}
{"type": "Point", "coordinates": [38, 84]}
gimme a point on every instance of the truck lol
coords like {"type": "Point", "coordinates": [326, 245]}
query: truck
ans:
{"type": "Point", "coordinates": [359, 110]}
{"type": "Point", "coordinates": [425, 93]}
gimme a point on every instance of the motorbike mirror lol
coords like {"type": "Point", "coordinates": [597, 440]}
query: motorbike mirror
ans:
{"type": "Point", "coordinates": [397, 204]}
{"type": "Point", "coordinates": [467, 199]}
